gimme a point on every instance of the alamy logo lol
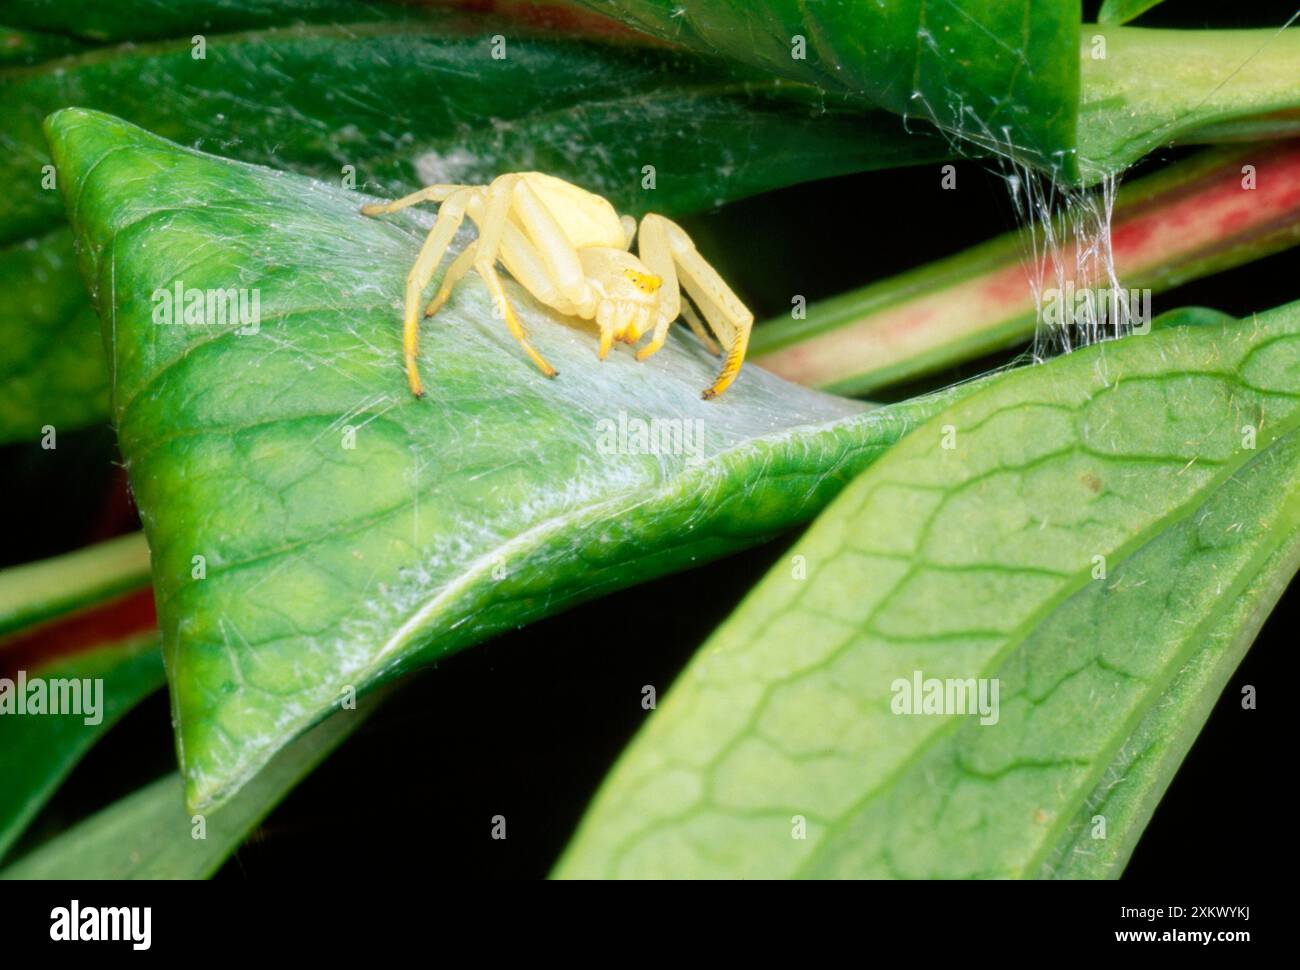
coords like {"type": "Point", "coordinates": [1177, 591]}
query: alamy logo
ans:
{"type": "Point", "coordinates": [194, 307]}
{"type": "Point", "coordinates": [955, 695]}
{"type": "Point", "coordinates": [650, 436]}
{"type": "Point", "coordinates": [1091, 308]}
{"type": "Point", "coordinates": [60, 695]}
{"type": "Point", "coordinates": [100, 923]}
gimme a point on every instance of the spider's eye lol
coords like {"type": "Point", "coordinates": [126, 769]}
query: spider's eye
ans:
{"type": "Point", "coordinates": [644, 282]}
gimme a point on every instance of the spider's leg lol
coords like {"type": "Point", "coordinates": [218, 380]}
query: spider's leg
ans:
{"type": "Point", "coordinates": [526, 265]}
{"type": "Point", "coordinates": [605, 321]}
{"type": "Point", "coordinates": [501, 195]}
{"type": "Point", "coordinates": [625, 324]}
{"type": "Point", "coordinates": [450, 215]}
{"type": "Point", "coordinates": [519, 257]}
{"type": "Point", "coordinates": [434, 193]}
{"type": "Point", "coordinates": [697, 327]}
{"type": "Point", "coordinates": [557, 251]}
{"type": "Point", "coordinates": [462, 264]}
{"type": "Point", "coordinates": [629, 230]}
{"type": "Point", "coordinates": [726, 315]}
{"type": "Point", "coordinates": [655, 253]}
{"type": "Point", "coordinates": [459, 267]}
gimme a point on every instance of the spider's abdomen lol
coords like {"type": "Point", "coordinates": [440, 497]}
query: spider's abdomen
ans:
{"type": "Point", "coordinates": [587, 219]}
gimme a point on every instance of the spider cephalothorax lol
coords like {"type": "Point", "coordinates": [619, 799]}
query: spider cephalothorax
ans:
{"type": "Point", "coordinates": [571, 250]}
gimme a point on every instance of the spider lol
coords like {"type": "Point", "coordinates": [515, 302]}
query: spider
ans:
{"type": "Point", "coordinates": [571, 250]}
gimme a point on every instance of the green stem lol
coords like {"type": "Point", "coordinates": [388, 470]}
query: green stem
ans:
{"type": "Point", "coordinates": [38, 591]}
{"type": "Point", "coordinates": [1141, 89]}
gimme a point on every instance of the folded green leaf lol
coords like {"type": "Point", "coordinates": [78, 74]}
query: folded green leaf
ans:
{"type": "Point", "coordinates": [149, 835]}
{"type": "Point", "coordinates": [1098, 538]}
{"type": "Point", "coordinates": [314, 527]}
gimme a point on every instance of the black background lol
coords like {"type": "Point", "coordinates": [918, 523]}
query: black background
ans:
{"type": "Point", "coordinates": [526, 725]}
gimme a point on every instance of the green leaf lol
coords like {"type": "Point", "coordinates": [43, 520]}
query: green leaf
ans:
{"type": "Point", "coordinates": [1103, 539]}
{"type": "Point", "coordinates": [1188, 220]}
{"type": "Point", "coordinates": [1000, 73]}
{"type": "Point", "coordinates": [53, 372]}
{"type": "Point", "coordinates": [39, 750]}
{"type": "Point", "coordinates": [427, 102]}
{"type": "Point", "coordinates": [1153, 750]}
{"type": "Point", "coordinates": [1001, 77]}
{"type": "Point", "coordinates": [137, 20]}
{"type": "Point", "coordinates": [149, 835]}
{"type": "Point", "coordinates": [346, 529]}
{"type": "Point", "coordinates": [30, 47]}
{"type": "Point", "coordinates": [1122, 11]}
{"type": "Point", "coordinates": [70, 618]}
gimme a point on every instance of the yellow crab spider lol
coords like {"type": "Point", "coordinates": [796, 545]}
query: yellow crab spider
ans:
{"type": "Point", "coordinates": [572, 251]}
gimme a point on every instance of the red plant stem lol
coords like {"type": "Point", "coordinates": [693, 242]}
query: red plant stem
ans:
{"type": "Point", "coordinates": [913, 324]}
{"type": "Point", "coordinates": [114, 620]}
